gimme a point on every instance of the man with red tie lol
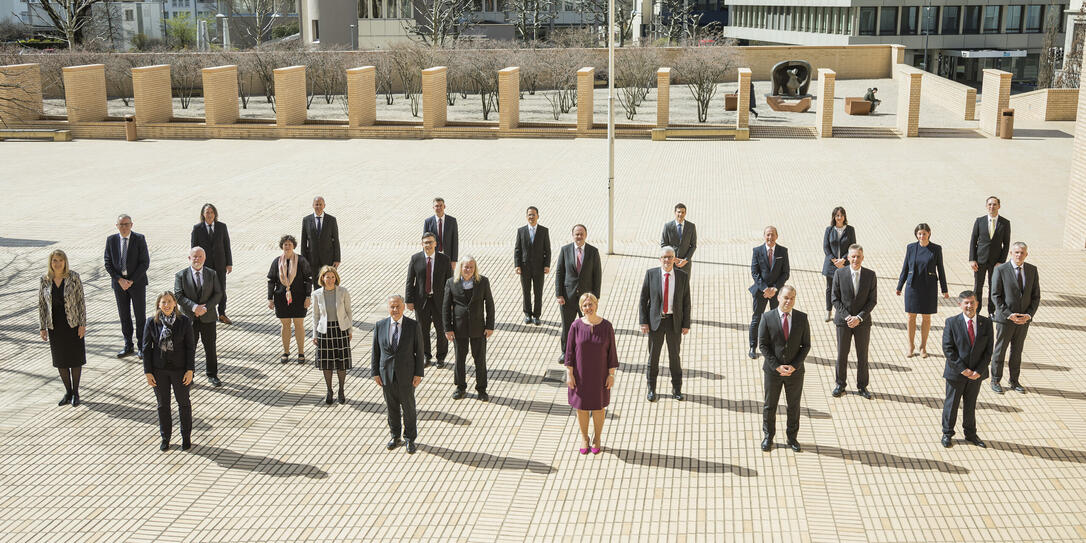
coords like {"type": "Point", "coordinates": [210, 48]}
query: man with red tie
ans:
{"type": "Point", "coordinates": [426, 277]}
{"type": "Point", "coordinates": [445, 232]}
{"type": "Point", "coordinates": [967, 343]}
{"type": "Point", "coordinates": [665, 316]}
{"type": "Point", "coordinates": [784, 338]}
{"type": "Point", "coordinates": [578, 270]}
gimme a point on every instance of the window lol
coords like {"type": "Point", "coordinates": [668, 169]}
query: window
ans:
{"type": "Point", "coordinates": [888, 21]}
{"type": "Point", "coordinates": [1014, 19]}
{"type": "Point", "coordinates": [991, 19]}
{"type": "Point", "coordinates": [929, 21]}
{"type": "Point", "coordinates": [129, 15]}
{"type": "Point", "coordinates": [971, 21]}
{"type": "Point", "coordinates": [909, 15]}
{"type": "Point", "coordinates": [867, 21]}
{"type": "Point", "coordinates": [1034, 18]}
{"type": "Point", "coordinates": [951, 19]}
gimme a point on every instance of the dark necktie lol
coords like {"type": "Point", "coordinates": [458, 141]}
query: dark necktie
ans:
{"type": "Point", "coordinates": [680, 227]}
{"type": "Point", "coordinates": [785, 326]}
{"type": "Point", "coordinates": [972, 335]}
{"type": "Point", "coordinates": [440, 235]}
{"type": "Point", "coordinates": [124, 256]}
{"type": "Point", "coordinates": [210, 230]}
{"type": "Point", "coordinates": [429, 276]}
{"type": "Point", "coordinates": [667, 284]}
{"type": "Point", "coordinates": [199, 281]}
{"type": "Point", "coordinates": [319, 226]}
{"type": "Point", "coordinates": [396, 336]}
{"type": "Point", "coordinates": [1021, 283]}
{"type": "Point", "coordinates": [769, 256]}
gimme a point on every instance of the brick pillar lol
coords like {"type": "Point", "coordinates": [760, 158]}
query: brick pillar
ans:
{"type": "Point", "coordinates": [908, 103]}
{"type": "Point", "coordinates": [663, 97]}
{"type": "Point", "coordinates": [1074, 234]}
{"type": "Point", "coordinates": [20, 93]}
{"type": "Point", "coordinates": [827, 85]}
{"type": "Point", "coordinates": [508, 98]}
{"type": "Point", "coordinates": [85, 93]}
{"type": "Point", "coordinates": [742, 107]}
{"type": "Point", "coordinates": [290, 96]}
{"type": "Point", "coordinates": [586, 84]}
{"type": "Point", "coordinates": [435, 104]}
{"type": "Point", "coordinates": [220, 95]}
{"type": "Point", "coordinates": [152, 93]}
{"type": "Point", "coordinates": [361, 96]}
{"type": "Point", "coordinates": [995, 95]}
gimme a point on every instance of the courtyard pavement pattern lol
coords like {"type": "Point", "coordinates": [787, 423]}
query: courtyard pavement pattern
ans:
{"type": "Point", "coordinates": [271, 462]}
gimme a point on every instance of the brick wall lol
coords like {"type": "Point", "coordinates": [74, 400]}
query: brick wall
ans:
{"type": "Point", "coordinates": [434, 102]}
{"type": "Point", "coordinates": [152, 93]}
{"type": "Point", "coordinates": [742, 117]}
{"type": "Point", "coordinates": [586, 78]}
{"type": "Point", "coordinates": [1046, 105]}
{"type": "Point", "coordinates": [508, 98]}
{"type": "Point", "coordinates": [909, 81]}
{"type": "Point", "coordinates": [85, 92]}
{"type": "Point", "coordinates": [20, 93]}
{"type": "Point", "coordinates": [952, 95]}
{"type": "Point", "coordinates": [663, 97]}
{"type": "Point", "coordinates": [221, 94]}
{"type": "Point", "coordinates": [290, 96]}
{"type": "Point", "coordinates": [361, 96]}
{"type": "Point", "coordinates": [1074, 234]}
{"type": "Point", "coordinates": [827, 82]}
{"type": "Point", "coordinates": [995, 93]}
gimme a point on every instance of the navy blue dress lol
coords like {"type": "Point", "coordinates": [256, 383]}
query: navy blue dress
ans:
{"type": "Point", "coordinates": [921, 275]}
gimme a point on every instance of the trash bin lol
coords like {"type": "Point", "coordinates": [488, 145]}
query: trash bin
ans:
{"type": "Point", "coordinates": [129, 128]}
{"type": "Point", "coordinates": [1006, 124]}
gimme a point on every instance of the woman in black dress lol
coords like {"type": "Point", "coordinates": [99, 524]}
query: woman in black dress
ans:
{"type": "Point", "coordinates": [332, 320]}
{"type": "Point", "coordinates": [62, 314]}
{"type": "Point", "coordinates": [169, 359]}
{"type": "Point", "coordinates": [288, 294]}
{"type": "Point", "coordinates": [921, 273]}
{"type": "Point", "coordinates": [835, 242]}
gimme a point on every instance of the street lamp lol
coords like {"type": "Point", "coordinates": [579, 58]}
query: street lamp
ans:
{"type": "Point", "coordinates": [610, 127]}
{"type": "Point", "coordinates": [225, 22]}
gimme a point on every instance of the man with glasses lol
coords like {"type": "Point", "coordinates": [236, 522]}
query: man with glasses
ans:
{"type": "Point", "coordinates": [127, 259]}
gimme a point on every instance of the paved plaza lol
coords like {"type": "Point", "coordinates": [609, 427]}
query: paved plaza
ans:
{"type": "Point", "coordinates": [271, 462]}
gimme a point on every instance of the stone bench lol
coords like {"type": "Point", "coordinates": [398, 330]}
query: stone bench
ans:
{"type": "Point", "coordinates": [792, 106]}
{"type": "Point", "coordinates": [35, 134]}
{"type": "Point", "coordinates": [857, 106]}
{"type": "Point", "coordinates": [716, 132]}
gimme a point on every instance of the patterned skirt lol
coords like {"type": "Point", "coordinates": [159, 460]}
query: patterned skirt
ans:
{"type": "Point", "coordinates": [333, 349]}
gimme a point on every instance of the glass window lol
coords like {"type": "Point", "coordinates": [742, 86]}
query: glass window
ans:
{"type": "Point", "coordinates": [951, 18]}
{"type": "Point", "coordinates": [1034, 18]}
{"type": "Point", "coordinates": [909, 15]}
{"type": "Point", "coordinates": [888, 21]}
{"type": "Point", "coordinates": [991, 19]}
{"type": "Point", "coordinates": [129, 15]}
{"type": "Point", "coordinates": [929, 23]}
{"type": "Point", "coordinates": [867, 21]}
{"type": "Point", "coordinates": [1014, 19]}
{"type": "Point", "coordinates": [971, 21]}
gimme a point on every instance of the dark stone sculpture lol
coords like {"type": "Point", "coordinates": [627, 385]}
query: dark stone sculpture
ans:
{"type": "Point", "coordinates": [791, 78]}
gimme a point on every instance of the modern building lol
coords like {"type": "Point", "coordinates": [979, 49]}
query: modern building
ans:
{"type": "Point", "coordinates": [955, 38]}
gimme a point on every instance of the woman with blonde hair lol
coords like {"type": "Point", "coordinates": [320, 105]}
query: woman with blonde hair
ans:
{"type": "Point", "coordinates": [591, 363]}
{"type": "Point", "coordinates": [332, 328]}
{"type": "Point", "coordinates": [169, 360]}
{"type": "Point", "coordinates": [62, 316]}
{"type": "Point", "coordinates": [288, 294]}
{"type": "Point", "coordinates": [468, 311]}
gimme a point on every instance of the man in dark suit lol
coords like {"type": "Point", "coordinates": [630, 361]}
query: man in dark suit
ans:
{"type": "Point", "coordinates": [212, 236]}
{"type": "Point", "coordinates": [198, 292]}
{"type": "Point", "coordinates": [988, 246]}
{"type": "Point", "coordinates": [769, 268]}
{"type": "Point", "coordinates": [784, 337]}
{"type": "Point", "coordinates": [664, 314]}
{"type": "Point", "coordinates": [426, 277]}
{"type": "Point", "coordinates": [1016, 293]}
{"type": "Point", "coordinates": [320, 239]}
{"type": "Point", "coordinates": [683, 236]}
{"type": "Point", "coordinates": [444, 227]}
{"type": "Point", "coordinates": [397, 367]}
{"type": "Point", "coordinates": [967, 344]}
{"type": "Point", "coordinates": [532, 258]}
{"type": "Point", "coordinates": [127, 259]}
{"type": "Point", "coordinates": [579, 270]}
{"type": "Point", "coordinates": [855, 293]}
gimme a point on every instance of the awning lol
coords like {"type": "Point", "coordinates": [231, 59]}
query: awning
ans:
{"type": "Point", "coordinates": [986, 53]}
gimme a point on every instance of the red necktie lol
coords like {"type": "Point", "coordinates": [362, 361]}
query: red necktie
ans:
{"type": "Point", "coordinates": [429, 277]}
{"type": "Point", "coordinates": [972, 336]}
{"type": "Point", "coordinates": [667, 284]}
{"type": "Point", "coordinates": [786, 327]}
{"type": "Point", "coordinates": [578, 260]}
{"type": "Point", "coordinates": [440, 238]}
{"type": "Point", "coordinates": [769, 256]}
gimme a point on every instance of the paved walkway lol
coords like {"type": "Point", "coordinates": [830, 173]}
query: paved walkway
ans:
{"type": "Point", "coordinates": [273, 463]}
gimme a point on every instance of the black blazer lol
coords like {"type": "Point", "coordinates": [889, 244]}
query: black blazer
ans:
{"type": "Point", "coordinates": [465, 316]}
{"type": "Point", "coordinates": [960, 354]}
{"type": "Point", "coordinates": [1010, 298]}
{"type": "Point", "coordinates": [763, 276]}
{"type": "Point", "coordinates": [415, 293]}
{"type": "Point", "coordinates": [320, 250]}
{"type": "Point", "coordinates": [529, 254]}
{"type": "Point", "coordinates": [987, 251]}
{"type": "Point", "coordinates": [183, 355]}
{"type": "Point", "coordinates": [184, 289]}
{"type": "Point", "coordinates": [685, 247]}
{"type": "Point", "coordinates": [847, 302]}
{"type": "Point", "coordinates": [138, 258]}
{"type": "Point", "coordinates": [302, 286]}
{"type": "Point", "coordinates": [775, 349]}
{"type": "Point", "coordinates": [450, 242]}
{"type": "Point", "coordinates": [918, 277]}
{"type": "Point", "coordinates": [216, 246]}
{"type": "Point", "coordinates": [651, 307]}
{"type": "Point", "coordinates": [406, 360]}
{"type": "Point", "coordinates": [570, 284]}
{"type": "Point", "coordinates": [835, 247]}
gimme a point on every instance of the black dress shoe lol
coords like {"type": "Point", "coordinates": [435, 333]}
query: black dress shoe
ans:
{"type": "Point", "coordinates": [794, 445]}
{"type": "Point", "coordinates": [946, 442]}
{"type": "Point", "coordinates": [995, 386]}
{"type": "Point", "coordinates": [767, 444]}
{"type": "Point", "coordinates": [483, 397]}
{"type": "Point", "coordinates": [838, 391]}
{"type": "Point", "coordinates": [458, 394]}
{"type": "Point", "coordinates": [67, 399]}
{"type": "Point", "coordinates": [977, 441]}
{"type": "Point", "coordinates": [139, 355]}
{"type": "Point", "coordinates": [562, 359]}
{"type": "Point", "coordinates": [527, 320]}
{"type": "Point", "coordinates": [677, 394]}
{"type": "Point", "coordinates": [393, 443]}
{"type": "Point", "coordinates": [865, 393]}
{"type": "Point", "coordinates": [1018, 388]}
{"type": "Point", "coordinates": [75, 399]}
{"type": "Point", "coordinates": [439, 364]}
{"type": "Point", "coordinates": [186, 445]}
{"type": "Point", "coordinates": [535, 321]}
{"type": "Point", "coordinates": [214, 381]}
{"type": "Point", "coordinates": [411, 447]}
{"type": "Point", "coordinates": [165, 445]}
{"type": "Point", "coordinates": [125, 352]}
{"type": "Point", "coordinates": [651, 396]}
{"type": "Point", "coordinates": [752, 354]}
{"type": "Point", "coordinates": [328, 397]}
{"type": "Point", "coordinates": [341, 398]}
{"type": "Point", "coordinates": [429, 362]}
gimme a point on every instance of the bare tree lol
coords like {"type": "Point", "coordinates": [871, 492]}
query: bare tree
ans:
{"type": "Point", "coordinates": [560, 76]}
{"type": "Point", "coordinates": [635, 75]}
{"type": "Point", "coordinates": [68, 17]}
{"type": "Point", "coordinates": [702, 69]}
{"type": "Point", "coordinates": [1046, 69]}
{"type": "Point", "coordinates": [438, 22]}
{"type": "Point", "coordinates": [326, 75]}
{"type": "Point", "coordinates": [481, 67]}
{"type": "Point", "coordinates": [530, 16]}
{"type": "Point", "coordinates": [409, 59]}
{"type": "Point", "coordinates": [1069, 76]}
{"type": "Point", "coordinates": [255, 18]}
{"type": "Point", "coordinates": [596, 12]}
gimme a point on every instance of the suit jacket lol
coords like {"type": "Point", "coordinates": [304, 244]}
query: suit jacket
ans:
{"type": "Point", "coordinates": [138, 258]}
{"type": "Point", "coordinates": [1009, 297]}
{"type": "Point", "coordinates": [775, 349]}
{"type": "Point", "coordinates": [684, 247]}
{"type": "Point", "coordinates": [188, 297]}
{"type": "Point", "coordinates": [651, 308]}
{"type": "Point", "coordinates": [344, 315]}
{"type": "Point", "coordinates": [836, 247]}
{"type": "Point", "coordinates": [989, 251]}
{"type": "Point", "coordinates": [466, 317]}
{"type": "Point", "coordinates": [183, 355]}
{"type": "Point", "coordinates": [918, 277]}
{"type": "Point", "coordinates": [849, 302]}
{"type": "Point", "coordinates": [406, 360]}
{"type": "Point", "coordinates": [569, 283]}
{"type": "Point", "coordinates": [450, 242]}
{"type": "Point", "coordinates": [415, 293]}
{"type": "Point", "coordinates": [763, 276]}
{"type": "Point", "coordinates": [529, 254]}
{"type": "Point", "coordinates": [960, 354]}
{"type": "Point", "coordinates": [75, 307]}
{"type": "Point", "coordinates": [320, 250]}
{"type": "Point", "coordinates": [216, 246]}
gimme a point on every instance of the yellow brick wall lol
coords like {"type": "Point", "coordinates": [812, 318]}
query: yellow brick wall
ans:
{"type": "Point", "coordinates": [952, 95]}
{"type": "Point", "coordinates": [663, 97]}
{"type": "Point", "coordinates": [85, 92]}
{"type": "Point", "coordinates": [434, 99]}
{"type": "Point", "coordinates": [152, 94]}
{"type": "Point", "coordinates": [290, 96]}
{"type": "Point", "coordinates": [908, 102]}
{"type": "Point", "coordinates": [995, 92]}
{"type": "Point", "coordinates": [827, 83]}
{"type": "Point", "coordinates": [1074, 234]}
{"type": "Point", "coordinates": [586, 81]}
{"type": "Point", "coordinates": [221, 94]}
{"type": "Point", "coordinates": [742, 117]}
{"type": "Point", "coordinates": [20, 93]}
{"type": "Point", "coordinates": [361, 96]}
{"type": "Point", "coordinates": [848, 62]}
{"type": "Point", "coordinates": [1046, 105]}
{"type": "Point", "coordinates": [508, 98]}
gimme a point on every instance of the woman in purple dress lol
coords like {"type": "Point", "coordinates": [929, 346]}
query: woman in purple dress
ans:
{"type": "Point", "coordinates": [591, 362]}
